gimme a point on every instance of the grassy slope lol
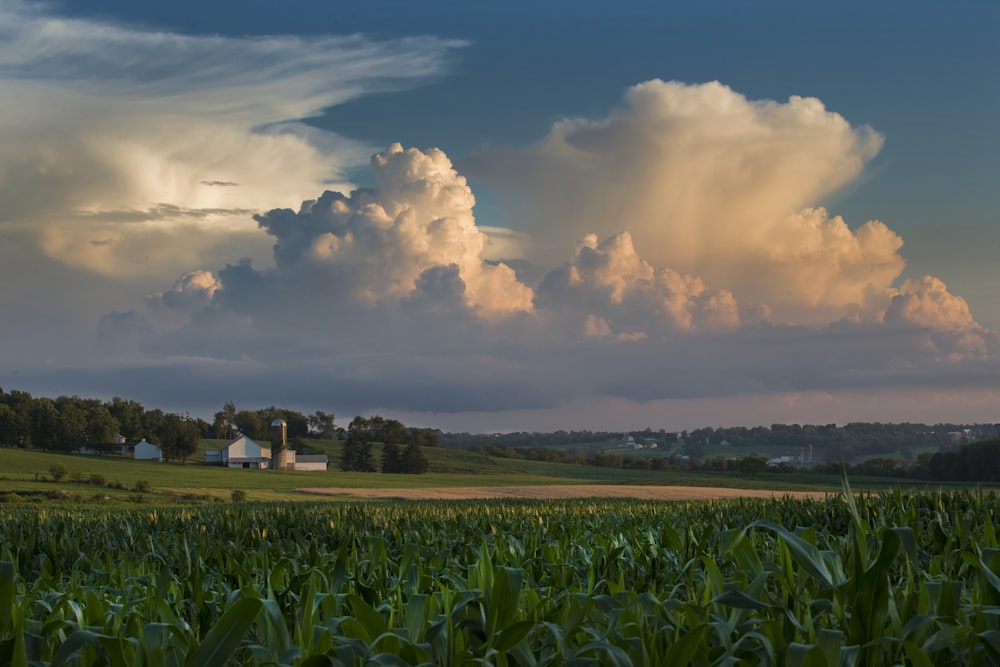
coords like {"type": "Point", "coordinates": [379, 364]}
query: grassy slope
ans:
{"type": "Point", "coordinates": [24, 472]}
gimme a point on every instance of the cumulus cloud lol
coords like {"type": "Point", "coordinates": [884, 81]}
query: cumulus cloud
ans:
{"type": "Point", "coordinates": [617, 293]}
{"type": "Point", "coordinates": [191, 291]}
{"type": "Point", "coordinates": [926, 303]}
{"type": "Point", "coordinates": [682, 253]}
{"type": "Point", "coordinates": [388, 291]}
{"type": "Point", "coordinates": [711, 184]}
{"type": "Point", "coordinates": [684, 247]}
{"type": "Point", "coordinates": [384, 243]}
{"type": "Point", "coordinates": [116, 133]}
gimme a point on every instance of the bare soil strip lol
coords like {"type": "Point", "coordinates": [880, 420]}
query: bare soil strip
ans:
{"type": "Point", "coordinates": [568, 491]}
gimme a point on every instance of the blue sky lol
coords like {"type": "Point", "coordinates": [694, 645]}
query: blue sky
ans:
{"type": "Point", "coordinates": [653, 215]}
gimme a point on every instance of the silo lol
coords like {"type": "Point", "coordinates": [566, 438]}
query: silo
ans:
{"type": "Point", "coordinates": [279, 444]}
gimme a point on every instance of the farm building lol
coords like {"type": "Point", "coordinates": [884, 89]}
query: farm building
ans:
{"type": "Point", "coordinates": [243, 452]}
{"type": "Point", "coordinates": [307, 461]}
{"type": "Point", "coordinates": [144, 451]}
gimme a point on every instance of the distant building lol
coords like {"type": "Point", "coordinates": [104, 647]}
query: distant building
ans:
{"type": "Point", "coordinates": [780, 460]}
{"type": "Point", "coordinates": [243, 452]}
{"type": "Point", "coordinates": [144, 451]}
{"type": "Point", "coordinates": [308, 461]}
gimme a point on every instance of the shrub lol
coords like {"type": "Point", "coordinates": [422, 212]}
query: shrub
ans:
{"type": "Point", "coordinates": [142, 486]}
{"type": "Point", "coordinates": [98, 480]}
{"type": "Point", "coordinates": [238, 495]}
{"type": "Point", "coordinates": [58, 472]}
{"type": "Point", "coordinates": [12, 498]}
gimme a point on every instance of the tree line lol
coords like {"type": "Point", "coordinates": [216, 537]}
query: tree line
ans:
{"type": "Point", "coordinates": [230, 422]}
{"type": "Point", "coordinates": [71, 423]}
{"type": "Point", "coordinates": [401, 446]}
{"type": "Point", "coordinates": [829, 442]}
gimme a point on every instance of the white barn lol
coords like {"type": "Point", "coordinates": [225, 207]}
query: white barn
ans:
{"type": "Point", "coordinates": [243, 452]}
{"type": "Point", "coordinates": [144, 451]}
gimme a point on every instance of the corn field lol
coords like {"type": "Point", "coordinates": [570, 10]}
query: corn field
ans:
{"type": "Point", "coordinates": [895, 578]}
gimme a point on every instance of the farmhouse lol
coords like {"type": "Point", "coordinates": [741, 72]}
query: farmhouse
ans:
{"type": "Point", "coordinates": [243, 452]}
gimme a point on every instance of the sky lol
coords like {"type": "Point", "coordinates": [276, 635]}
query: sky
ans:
{"type": "Point", "coordinates": [495, 217]}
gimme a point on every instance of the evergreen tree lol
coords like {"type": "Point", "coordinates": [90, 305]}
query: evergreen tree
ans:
{"type": "Point", "coordinates": [414, 461]}
{"type": "Point", "coordinates": [392, 458]}
{"type": "Point", "coordinates": [357, 456]}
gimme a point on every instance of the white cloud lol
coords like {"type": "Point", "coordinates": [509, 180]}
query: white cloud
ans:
{"type": "Point", "coordinates": [386, 294]}
{"type": "Point", "coordinates": [710, 274]}
{"type": "Point", "coordinates": [714, 185]}
{"type": "Point", "coordinates": [927, 303]}
{"type": "Point", "coordinates": [379, 244]}
{"type": "Point", "coordinates": [616, 292]}
{"type": "Point", "coordinates": [115, 139]}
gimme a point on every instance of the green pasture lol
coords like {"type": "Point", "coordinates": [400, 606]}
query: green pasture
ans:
{"type": "Point", "coordinates": [27, 473]}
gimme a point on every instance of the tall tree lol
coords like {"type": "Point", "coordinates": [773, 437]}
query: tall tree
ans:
{"type": "Point", "coordinates": [21, 403]}
{"type": "Point", "coordinates": [392, 458]}
{"type": "Point", "coordinates": [414, 461]}
{"type": "Point", "coordinates": [357, 454]}
{"type": "Point", "coordinates": [179, 438]}
{"type": "Point", "coordinates": [8, 425]}
{"type": "Point", "coordinates": [72, 426]}
{"type": "Point", "coordinates": [102, 428]}
{"type": "Point", "coordinates": [44, 424]}
{"type": "Point", "coordinates": [224, 423]}
{"type": "Point", "coordinates": [392, 430]}
{"type": "Point", "coordinates": [153, 422]}
{"type": "Point", "coordinates": [321, 425]}
{"type": "Point", "coordinates": [250, 424]}
{"type": "Point", "coordinates": [129, 416]}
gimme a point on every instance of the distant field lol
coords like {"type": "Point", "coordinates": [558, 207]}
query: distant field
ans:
{"type": "Point", "coordinates": [26, 473]}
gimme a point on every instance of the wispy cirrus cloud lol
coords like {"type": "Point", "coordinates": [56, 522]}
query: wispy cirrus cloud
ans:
{"type": "Point", "coordinates": [105, 124]}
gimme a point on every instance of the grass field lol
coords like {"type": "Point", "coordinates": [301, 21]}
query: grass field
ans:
{"type": "Point", "coordinates": [26, 474]}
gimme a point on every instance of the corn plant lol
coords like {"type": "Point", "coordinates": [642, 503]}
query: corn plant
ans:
{"type": "Point", "coordinates": [853, 579]}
